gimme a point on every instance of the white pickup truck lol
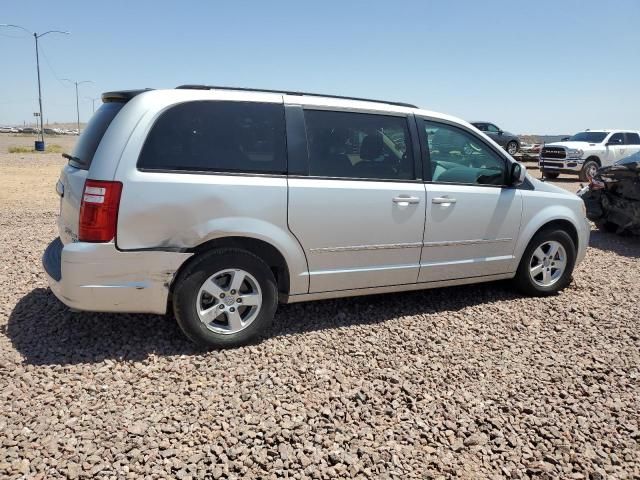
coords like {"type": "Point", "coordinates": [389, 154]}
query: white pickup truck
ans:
{"type": "Point", "coordinates": [587, 151]}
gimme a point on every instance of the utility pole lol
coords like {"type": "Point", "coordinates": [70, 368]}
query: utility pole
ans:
{"type": "Point", "coordinates": [93, 103]}
{"type": "Point", "coordinates": [77, 100]}
{"type": "Point", "coordinates": [36, 37]}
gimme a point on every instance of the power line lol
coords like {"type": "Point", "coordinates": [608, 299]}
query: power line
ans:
{"type": "Point", "coordinates": [13, 36]}
{"type": "Point", "coordinates": [46, 59]}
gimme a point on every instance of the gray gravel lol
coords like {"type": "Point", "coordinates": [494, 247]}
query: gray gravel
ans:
{"type": "Point", "coordinates": [473, 382]}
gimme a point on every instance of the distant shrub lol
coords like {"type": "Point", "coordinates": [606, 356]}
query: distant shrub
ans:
{"type": "Point", "coordinates": [21, 149]}
{"type": "Point", "coordinates": [51, 148]}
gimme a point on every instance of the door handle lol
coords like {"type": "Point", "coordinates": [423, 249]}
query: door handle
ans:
{"type": "Point", "coordinates": [444, 201]}
{"type": "Point", "coordinates": [405, 200]}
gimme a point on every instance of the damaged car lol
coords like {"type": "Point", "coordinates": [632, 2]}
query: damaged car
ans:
{"type": "Point", "coordinates": [612, 198]}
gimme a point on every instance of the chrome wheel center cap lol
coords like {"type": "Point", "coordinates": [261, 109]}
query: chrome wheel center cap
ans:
{"type": "Point", "coordinates": [229, 301]}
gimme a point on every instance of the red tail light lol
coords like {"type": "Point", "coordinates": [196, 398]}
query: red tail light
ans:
{"type": "Point", "coordinates": [99, 211]}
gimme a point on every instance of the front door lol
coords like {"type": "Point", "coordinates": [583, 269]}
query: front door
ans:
{"type": "Point", "coordinates": [616, 149]}
{"type": "Point", "coordinates": [473, 219]}
{"type": "Point", "coordinates": [359, 213]}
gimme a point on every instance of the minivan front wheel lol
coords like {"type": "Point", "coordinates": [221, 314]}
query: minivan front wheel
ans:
{"type": "Point", "coordinates": [225, 298]}
{"type": "Point", "coordinates": [547, 263]}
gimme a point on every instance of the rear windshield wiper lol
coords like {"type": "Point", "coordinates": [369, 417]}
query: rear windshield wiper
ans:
{"type": "Point", "coordinates": [73, 159]}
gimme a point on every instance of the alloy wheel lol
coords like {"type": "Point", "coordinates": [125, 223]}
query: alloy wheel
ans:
{"type": "Point", "coordinates": [229, 301]}
{"type": "Point", "coordinates": [548, 263]}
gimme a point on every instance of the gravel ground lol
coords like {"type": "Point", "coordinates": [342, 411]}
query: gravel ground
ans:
{"type": "Point", "coordinates": [472, 382]}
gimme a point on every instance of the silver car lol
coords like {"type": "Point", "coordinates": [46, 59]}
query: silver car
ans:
{"type": "Point", "coordinates": [218, 203]}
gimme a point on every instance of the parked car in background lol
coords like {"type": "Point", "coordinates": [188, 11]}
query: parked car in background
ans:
{"type": "Point", "coordinates": [219, 203]}
{"type": "Point", "coordinates": [30, 130]}
{"type": "Point", "coordinates": [612, 197]}
{"type": "Point", "coordinates": [508, 141]}
{"type": "Point", "coordinates": [587, 151]}
{"type": "Point", "coordinates": [531, 149]}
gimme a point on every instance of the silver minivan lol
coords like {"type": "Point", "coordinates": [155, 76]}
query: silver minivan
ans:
{"type": "Point", "coordinates": [218, 203]}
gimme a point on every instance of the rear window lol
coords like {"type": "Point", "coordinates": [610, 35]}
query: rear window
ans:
{"type": "Point", "coordinates": [88, 142]}
{"type": "Point", "coordinates": [217, 136]}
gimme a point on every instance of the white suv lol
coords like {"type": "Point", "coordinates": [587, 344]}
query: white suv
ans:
{"type": "Point", "coordinates": [587, 151]}
{"type": "Point", "coordinates": [217, 203]}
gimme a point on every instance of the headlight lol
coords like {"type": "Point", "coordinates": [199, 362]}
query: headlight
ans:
{"type": "Point", "coordinates": [574, 153]}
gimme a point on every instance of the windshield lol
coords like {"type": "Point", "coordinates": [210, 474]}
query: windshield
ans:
{"type": "Point", "coordinates": [92, 134]}
{"type": "Point", "coordinates": [591, 137]}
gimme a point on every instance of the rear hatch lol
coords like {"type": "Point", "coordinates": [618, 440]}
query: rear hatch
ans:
{"type": "Point", "coordinates": [72, 178]}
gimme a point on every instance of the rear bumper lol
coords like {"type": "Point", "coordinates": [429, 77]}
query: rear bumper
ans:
{"type": "Point", "coordinates": [98, 277]}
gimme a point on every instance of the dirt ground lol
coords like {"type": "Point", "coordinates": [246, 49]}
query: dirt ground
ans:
{"type": "Point", "coordinates": [463, 382]}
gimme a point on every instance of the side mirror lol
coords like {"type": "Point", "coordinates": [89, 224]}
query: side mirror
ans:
{"type": "Point", "coordinates": [500, 132]}
{"type": "Point", "coordinates": [518, 174]}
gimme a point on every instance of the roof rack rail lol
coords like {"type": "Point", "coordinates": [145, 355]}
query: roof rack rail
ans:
{"type": "Point", "coordinates": [287, 92]}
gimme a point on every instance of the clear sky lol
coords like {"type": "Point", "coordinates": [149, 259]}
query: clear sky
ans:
{"type": "Point", "coordinates": [542, 66]}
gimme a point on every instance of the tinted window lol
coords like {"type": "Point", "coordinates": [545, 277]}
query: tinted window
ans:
{"type": "Point", "coordinates": [633, 139]}
{"type": "Point", "coordinates": [358, 145]}
{"type": "Point", "coordinates": [457, 156]}
{"type": "Point", "coordinates": [91, 136]}
{"type": "Point", "coordinates": [481, 126]}
{"type": "Point", "coordinates": [218, 136]}
{"type": "Point", "coordinates": [617, 138]}
{"type": "Point", "coordinates": [492, 128]}
{"type": "Point", "coordinates": [591, 137]}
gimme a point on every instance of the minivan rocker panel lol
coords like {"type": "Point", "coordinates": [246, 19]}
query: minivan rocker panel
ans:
{"type": "Point", "coordinates": [221, 202]}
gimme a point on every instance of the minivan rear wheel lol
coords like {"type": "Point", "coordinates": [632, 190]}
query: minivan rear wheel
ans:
{"type": "Point", "coordinates": [547, 263]}
{"type": "Point", "coordinates": [225, 298]}
{"type": "Point", "coordinates": [512, 147]}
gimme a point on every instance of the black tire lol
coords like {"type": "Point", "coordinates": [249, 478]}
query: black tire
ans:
{"type": "Point", "coordinates": [188, 283]}
{"type": "Point", "coordinates": [523, 280]}
{"type": "Point", "coordinates": [585, 175]}
{"type": "Point", "coordinates": [512, 145]}
{"type": "Point", "coordinates": [551, 175]}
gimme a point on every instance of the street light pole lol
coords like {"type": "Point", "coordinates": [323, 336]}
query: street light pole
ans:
{"type": "Point", "coordinates": [77, 101]}
{"type": "Point", "coordinates": [39, 88]}
{"type": "Point", "coordinates": [36, 37]}
{"type": "Point", "coordinates": [93, 103]}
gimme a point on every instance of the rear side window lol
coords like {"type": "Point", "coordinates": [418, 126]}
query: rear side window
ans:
{"type": "Point", "coordinates": [88, 142]}
{"type": "Point", "coordinates": [617, 138]}
{"type": "Point", "coordinates": [217, 136]}
{"type": "Point", "coordinates": [358, 145]}
{"type": "Point", "coordinates": [633, 139]}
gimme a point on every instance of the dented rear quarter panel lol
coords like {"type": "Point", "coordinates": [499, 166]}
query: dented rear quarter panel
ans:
{"type": "Point", "coordinates": [182, 210]}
